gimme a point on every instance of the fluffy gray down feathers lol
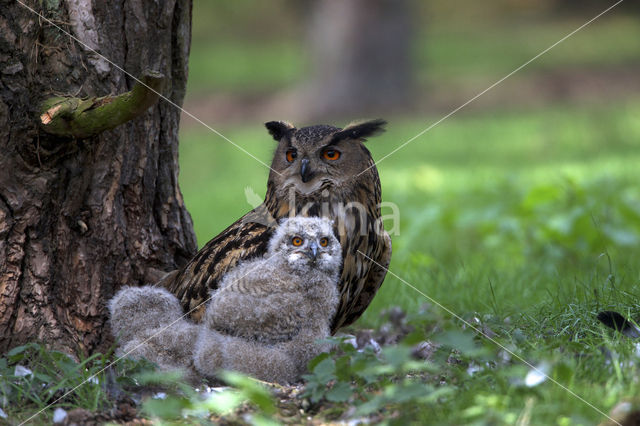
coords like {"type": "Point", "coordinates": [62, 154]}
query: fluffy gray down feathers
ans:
{"type": "Point", "coordinates": [264, 320]}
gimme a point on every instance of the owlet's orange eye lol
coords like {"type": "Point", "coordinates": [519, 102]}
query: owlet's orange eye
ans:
{"type": "Point", "coordinates": [331, 154]}
{"type": "Point", "coordinates": [291, 155]}
{"type": "Point", "coordinates": [324, 242]}
{"type": "Point", "coordinates": [296, 241]}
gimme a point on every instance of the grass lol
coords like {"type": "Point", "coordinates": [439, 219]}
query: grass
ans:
{"type": "Point", "coordinates": [529, 219]}
{"type": "Point", "coordinates": [32, 377]}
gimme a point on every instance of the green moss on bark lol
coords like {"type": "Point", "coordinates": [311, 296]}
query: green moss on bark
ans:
{"type": "Point", "coordinates": [83, 118]}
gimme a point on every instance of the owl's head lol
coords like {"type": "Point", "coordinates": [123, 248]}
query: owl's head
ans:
{"type": "Point", "coordinates": [305, 244]}
{"type": "Point", "coordinates": [309, 157]}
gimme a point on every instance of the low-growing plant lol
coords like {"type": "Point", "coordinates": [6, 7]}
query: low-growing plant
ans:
{"type": "Point", "coordinates": [189, 404]}
{"type": "Point", "coordinates": [32, 377]}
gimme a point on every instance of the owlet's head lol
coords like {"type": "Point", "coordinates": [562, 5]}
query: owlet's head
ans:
{"type": "Point", "coordinates": [306, 244]}
{"type": "Point", "coordinates": [309, 157]}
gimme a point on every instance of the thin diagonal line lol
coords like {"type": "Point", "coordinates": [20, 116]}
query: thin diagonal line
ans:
{"type": "Point", "coordinates": [494, 341]}
{"type": "Point", "coordinates": [162, 330]}
{"type": "Point", "coordinates": [492, 86]}
{"type": "Point", "coordinates": [145, 85]}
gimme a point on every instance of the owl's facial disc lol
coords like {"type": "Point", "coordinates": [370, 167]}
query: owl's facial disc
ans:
{"type": "Point", "coordinates": [302, 187]}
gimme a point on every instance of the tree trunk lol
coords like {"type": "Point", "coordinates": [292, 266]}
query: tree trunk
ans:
{"type": "Point", "coordinates": [361, 57]}
{"type": "Point", "coordinates": [82, 216]}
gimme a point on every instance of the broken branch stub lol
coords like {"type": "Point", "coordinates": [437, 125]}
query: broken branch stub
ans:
{"type": "Point", "coordinates": [83, 118]}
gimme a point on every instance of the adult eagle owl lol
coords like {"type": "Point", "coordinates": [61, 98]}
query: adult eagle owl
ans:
{"type": "Point", "coordinates": [316, 171]}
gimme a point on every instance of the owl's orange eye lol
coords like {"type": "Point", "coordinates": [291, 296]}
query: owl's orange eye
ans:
{"type": "Point", "coordinates": [296, 241]}
{"type": "Point", "coordinates": [291, 155]}
{"type": "Point", "coordinates": [331, 154]}
{"type": "Point", "coordinates": [324, 242]}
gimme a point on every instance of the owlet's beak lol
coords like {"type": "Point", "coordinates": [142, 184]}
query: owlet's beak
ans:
{"type": "Point", "coordinates": [312, 251]}
{"type": "Point", "coordinates": [305, 171]}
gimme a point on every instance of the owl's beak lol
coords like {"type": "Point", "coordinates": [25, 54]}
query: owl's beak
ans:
{"type": "Point", "coordinates": [305, 171]}
{"type": "Point", "coordinates": [313, 251]}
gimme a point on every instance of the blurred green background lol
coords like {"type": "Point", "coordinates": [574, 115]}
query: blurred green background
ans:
{"type": "Point", "coordinates": [524, 202]}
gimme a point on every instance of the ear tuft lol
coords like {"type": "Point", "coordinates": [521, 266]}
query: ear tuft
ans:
{"type": "Point", "coordinates": [278, 129]}
{"type": "Point", "coordinates": [361, 130]}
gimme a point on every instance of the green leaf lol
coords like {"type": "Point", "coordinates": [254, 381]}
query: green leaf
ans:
{"type": "Point", "coordinates": [158, 377]}
{"type": "Point", "coordinates": [408, 391]}
{"type": "Point", "coordinates": [325, 370]}
{"type": "Point", "coordinates": [371, 406]}
{"type": "Point", "coordinates": [315, 361]}
{"type": "Point", "coordinates": [397, 355]}
{"type": "Point", "coordinates": [415, 365]}
{"type": "Point", "coordinates": [414, 338]}
{"type": "Point", "coordinates": [168, 408]}
{"type": "Point", "coordinates": [459, 340]}
{"type": "Point", "coordinates": [317, 394]}
{"type": "Point", "coordinates": [343, 368]}
{"type": "Point", "coordinates": [42, 377]}
{"type": "Point", "coordinates": [222, 402]}
{"type": "Point", "coordinates": [19, 352]}
{"type": "Point", "coordinates": [254, 391]}
{"type": "Point", "coordinates": [263, 421]}
{"type": "Point", "coordinates": [340, 392]}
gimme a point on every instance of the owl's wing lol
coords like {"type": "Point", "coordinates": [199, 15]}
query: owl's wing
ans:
{"type": "Point", "coordinates": [377, 272]}
{"type": "Point", "coordinates": [244, 239]}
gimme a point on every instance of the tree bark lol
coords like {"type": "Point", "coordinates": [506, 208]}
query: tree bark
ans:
{"type": "Point", "coordinates": [361, 57]}
{"type": "Point", "coordinates": [80, 217]}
